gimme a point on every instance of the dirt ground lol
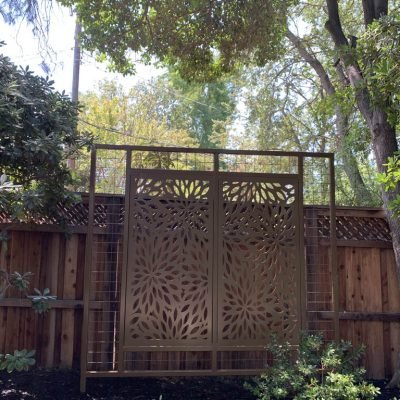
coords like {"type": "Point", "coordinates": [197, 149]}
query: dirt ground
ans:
{"type": "Point", "coordinates": [64, 385]}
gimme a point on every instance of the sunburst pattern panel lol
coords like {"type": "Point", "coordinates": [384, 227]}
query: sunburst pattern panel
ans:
{"type": "Point", "coordinates": [258, 277]}
{"type": "Point", "coordinates": [170, 258]}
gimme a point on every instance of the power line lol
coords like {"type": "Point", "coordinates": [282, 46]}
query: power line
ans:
{"type": "Point", "coordinates": [129, 134]}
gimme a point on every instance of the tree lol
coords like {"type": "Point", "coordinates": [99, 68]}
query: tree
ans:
{"type": "Point", "coordinates": [206, 38]}
{"type": "Point", "coordinates": [202, 37]}
{"type": "Point", "coordinates": [37, 126]}
{"type": "Point", "coordinates": [290, 110]}
{"type": "Point", "coordinates": [133, 117]}
{"type": "Point", "coordinates": [204, 109]}
{"type": "Point", "coordinates": [366, 66]}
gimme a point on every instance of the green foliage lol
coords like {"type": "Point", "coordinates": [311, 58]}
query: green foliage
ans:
{"type": "Point", "coordinates": [379, 48]}
{"type": "Point", "coordinates": [390, 180]}
{"type": "Point", "coordinates": [204, 39]}
{"type": "Point", "coordinates": [15, 279]}
{"type": "Point", "coordinates": [41, 301]}
{"type": "Point", "coordinates": [38, 132]}
{"type": "Point", "coordinates": [20, 281]}
{"type": "Point", "coordinates": [21, 360]}
{"type": "Point", "coordinates": [203, 109]}
{"type": "Point", "coordinates": [316, 371]}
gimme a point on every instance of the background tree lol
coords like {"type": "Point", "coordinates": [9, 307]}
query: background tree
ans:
{"type": "Point", "coordinates": [37, 125]}
{"type": "Point", "coordinates": [288, 109]}
{"type": "Point", "coordinates": [205, 110]}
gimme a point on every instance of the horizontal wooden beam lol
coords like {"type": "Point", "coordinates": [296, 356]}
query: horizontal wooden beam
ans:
{"type": "Point", "coordinates": [64, 304]}
{"type": "Point", "coordinates": [360, 212]}
{"type": "Point", "coordinates": [53, 228]}
{"type": "Point", "coordinates": [358, 243]}
{"type": "Point", "coordinates": [13, 302]}
{"type": "Point", "coordinates": [361, 316]}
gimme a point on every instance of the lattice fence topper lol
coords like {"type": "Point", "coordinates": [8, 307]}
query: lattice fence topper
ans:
{"type": "Point", "coordinates": [350, 227]}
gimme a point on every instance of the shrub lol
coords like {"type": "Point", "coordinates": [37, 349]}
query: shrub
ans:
{"type": "Point", "coordinates": [316, 371]}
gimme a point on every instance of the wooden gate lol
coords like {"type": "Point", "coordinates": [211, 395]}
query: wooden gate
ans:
{"type": "Point", "coordinates": [213, 262]}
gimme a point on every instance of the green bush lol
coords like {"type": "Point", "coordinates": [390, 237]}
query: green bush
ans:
{"type": "Point", "coordinates": [21, 360]}
{"type": "Point", "coordinates": [316, 371]}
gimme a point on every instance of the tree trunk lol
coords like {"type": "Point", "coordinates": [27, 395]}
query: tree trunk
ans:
{"type": "Point", "coordinates": [350, 165]}
{"type": "Point", "coordinates": [362, 195]}
{"type": "Point", "coordinates": [383, 134]}
{"type": "Point", "coordinates": [385, 145]}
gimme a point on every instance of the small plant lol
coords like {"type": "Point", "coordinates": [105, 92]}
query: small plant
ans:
{"type": "Point", "coordinates": [41, 301]}
{"type": "Point", "coordinates": [20, 281]}
{"type": "Point", "coordinates": [317, 371]}
{"type": "Point", "coordinates": [21, 360]}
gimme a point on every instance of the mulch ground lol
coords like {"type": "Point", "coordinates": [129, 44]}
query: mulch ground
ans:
{"type": "Point", "coordinates": [64, 385]}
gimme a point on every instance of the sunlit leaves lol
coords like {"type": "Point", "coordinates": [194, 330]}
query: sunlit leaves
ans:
{"type": "Point", "coordinates": [204, 38]}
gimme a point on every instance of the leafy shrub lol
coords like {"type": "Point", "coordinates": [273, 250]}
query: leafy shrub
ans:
{"type": "Point", "coordinates": [317, 371]}
{"type": "Point", "coordinates": [38, 133]}
{"type": "Point", "coordinates": [21, 360]}
{"type": "Point", "coordinates": [41, 301]}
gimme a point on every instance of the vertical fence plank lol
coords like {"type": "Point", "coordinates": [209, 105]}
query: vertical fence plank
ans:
{"type": "Point", "coordinates": [341, 259]}
{"type": "Point", "coordinates": [4, 265]}
{"type": "Point", "coordinates": [387, 362]}
{"type": "Point", "coordinates": [394, 306]}
{"type": "Point", "coordinates": [351, 280]}
{"type": "Point", "coordinates": [80, 268]}
{"type": "Point", "coordinates": [371, 297]}
{"type": "Point", "coordinates": [18, 250]}
{"type": "Point", "coordinates": [68, 323]}
{"type": "Point", "coordinates": [51, 262]}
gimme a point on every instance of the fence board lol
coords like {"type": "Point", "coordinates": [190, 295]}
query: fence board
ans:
{"type": "Point", "coordinates": [52, 257]}
{"type": "Point", "coordinates": [394, 306]}
{"type": "Point", "coordinates": [69, 292]}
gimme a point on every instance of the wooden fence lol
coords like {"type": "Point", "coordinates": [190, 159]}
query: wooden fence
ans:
{"type": "Point", "coordinates": [369, 295]}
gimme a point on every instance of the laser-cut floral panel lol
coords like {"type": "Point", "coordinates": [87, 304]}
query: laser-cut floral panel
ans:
{"type": "Point", "coordinates": [170, 259]}
{"type": "Point", "coordinates": [258, 275]}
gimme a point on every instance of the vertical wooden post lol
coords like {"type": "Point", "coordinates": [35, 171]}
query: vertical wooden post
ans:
{"type": "Point", "coordinates": [302, 267]}
{"type": "Point", "coordinates": [88, 267]}
{"type": "Point", "coordinates": [333, 250]}
{"type": "Point", "coordinates": [120, 359]}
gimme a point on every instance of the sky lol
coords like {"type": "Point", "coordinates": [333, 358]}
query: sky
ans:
{"type": "Point", "coordinates": [24, 49]}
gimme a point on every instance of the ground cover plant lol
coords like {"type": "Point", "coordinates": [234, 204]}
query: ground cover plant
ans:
{"type": "Point", "coordinates": [316, 371]}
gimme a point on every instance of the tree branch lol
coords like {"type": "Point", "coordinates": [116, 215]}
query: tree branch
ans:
{"type": "Point", "coordinates": [313, 62]}
{"type": "Point", "coordinates": [352, 68]}
{"type": "Point", "coordinates": [333, 25]}
{"type": "Point", "coordinates": [368, 9]}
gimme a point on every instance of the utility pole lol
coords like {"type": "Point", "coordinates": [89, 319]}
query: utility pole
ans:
{"type": "Point", "coordinates": [75, 74]}
{"type": "Point", "coordinates": [77, 61]}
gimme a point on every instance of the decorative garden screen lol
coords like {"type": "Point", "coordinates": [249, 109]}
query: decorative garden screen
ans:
{"type": "Point", "coordinates": [195, 258]}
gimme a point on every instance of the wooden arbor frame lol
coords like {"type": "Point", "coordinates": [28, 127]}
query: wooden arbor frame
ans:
{"type": "Point", "coordinates": [200, 260]}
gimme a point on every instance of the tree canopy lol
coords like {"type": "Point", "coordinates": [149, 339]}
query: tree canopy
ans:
{"type": "Point", "coordinates": [204, 38]}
